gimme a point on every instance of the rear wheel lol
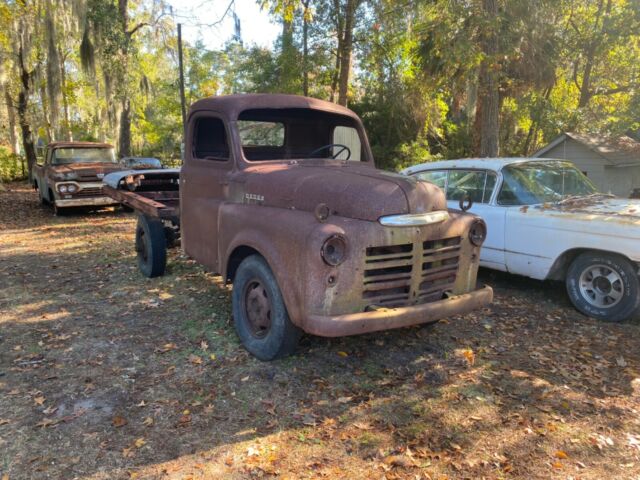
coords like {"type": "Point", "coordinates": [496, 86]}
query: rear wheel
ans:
{"type": "Point", "coordinates": [259, 313]}
{"type": "Point", "coordinates": [151, 246]}
{"type": "Point", "coordinates": [604, 286]}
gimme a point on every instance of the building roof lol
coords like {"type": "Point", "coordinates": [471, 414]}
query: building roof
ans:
{"type": "Point", "coordinates": [495, 164]}
{"type": "Point", "coordinates": [617, 151]}
{"type": "Point", "coordinates": [232, 105]}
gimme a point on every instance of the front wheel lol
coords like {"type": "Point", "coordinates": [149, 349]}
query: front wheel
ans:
{"type": "Point", "coordinates": [604, 286]}
{"type": "Point", "coordinates": [151, 246]}
{"type": "Point", "coordinates": [259, 313]}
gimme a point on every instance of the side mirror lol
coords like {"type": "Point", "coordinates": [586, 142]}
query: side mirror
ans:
{"type": "Point", "coordinates": [465, 202]}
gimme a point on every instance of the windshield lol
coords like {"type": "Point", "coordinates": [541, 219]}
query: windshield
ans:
{"type": "Point", "coordinates": [63, 156]}
{"type": "Point", "coordinates": [541, 182]}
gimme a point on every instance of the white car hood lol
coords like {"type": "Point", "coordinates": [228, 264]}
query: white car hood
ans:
{"type": "Point", "coordinates": [621, 210]}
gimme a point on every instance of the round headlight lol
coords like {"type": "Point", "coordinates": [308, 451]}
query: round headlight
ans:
{"type": "Point", "coordinates": [72, 188]}
{"type": "Point", "coordinates": [62, 188]}
{"type": "Point", "coordinates": [334, 250]}
{"type": "Point", "coordinates": [478, 232]}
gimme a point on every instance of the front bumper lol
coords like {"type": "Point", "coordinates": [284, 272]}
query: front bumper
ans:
{"type": "Point", "coordinates": [85, 202]}
{"type": "Point", "coordinates": [388, 318]}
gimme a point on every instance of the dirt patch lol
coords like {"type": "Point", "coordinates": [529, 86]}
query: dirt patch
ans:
{"type": "Point", "coordinates": [105, 374]}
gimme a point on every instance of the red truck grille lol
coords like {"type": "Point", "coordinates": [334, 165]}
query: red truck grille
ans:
{"type": "Point", "coordinates": [399, 275]}
{"type": "Point", "coordinates": [90, 192]}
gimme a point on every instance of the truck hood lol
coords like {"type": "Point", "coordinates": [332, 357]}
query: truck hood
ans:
{"type": "Point", "coordinates": [349, 189]}
{"type": "Point", "coordinates": [83, 171]}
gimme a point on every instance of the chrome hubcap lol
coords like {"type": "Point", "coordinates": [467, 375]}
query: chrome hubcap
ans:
{"type": "Point", "coordinates": [601, 286]}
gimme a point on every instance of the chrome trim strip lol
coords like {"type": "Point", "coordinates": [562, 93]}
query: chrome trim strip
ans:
{"type": "Point", "coordinates": [415, 219]}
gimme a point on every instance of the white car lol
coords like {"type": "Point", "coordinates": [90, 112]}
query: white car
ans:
{"type": "Point", "coordinates": [546, 220]}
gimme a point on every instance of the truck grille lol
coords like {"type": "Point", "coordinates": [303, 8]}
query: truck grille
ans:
{"type": "Point", "coordinates": [399, 275]}
{"type": "Point", "coordinates": [89, 192]}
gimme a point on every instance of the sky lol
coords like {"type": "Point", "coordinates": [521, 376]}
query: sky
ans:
{"type": "Point", "coordinates": [196, 17]}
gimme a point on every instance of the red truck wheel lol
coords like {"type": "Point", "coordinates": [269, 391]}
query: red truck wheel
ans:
{"type": "Point", "coordinates": [151, 246]}
{"type": "Point", "coordinates": [259, 313]}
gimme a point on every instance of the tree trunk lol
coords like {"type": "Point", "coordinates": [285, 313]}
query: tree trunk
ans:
{"type": "Point", "coordinates": [339, 34]}
{"type": "Point", "coordinates": [487, 121]}
{"type": "Point", "coordinates": [345, 54]}
{"type": "Point", "coordinates": [305, 48]}
{"type": "Point", "coordinates": [23, 107]}
{"type": "Point", "coordinates": [124, 144]}
{"type": "Point", "coordinates": [585, 88]}
{"type": "Point", "coordinates": [66, 128]}
{"type": "Point", "coordinates": [11, 116]}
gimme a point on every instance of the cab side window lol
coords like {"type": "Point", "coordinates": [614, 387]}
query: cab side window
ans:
{"type": "Point", "coordinates": [210, 139]}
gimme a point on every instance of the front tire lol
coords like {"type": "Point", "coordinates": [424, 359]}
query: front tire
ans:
{"type": "Point", "coordinates": [260, 315]}
{"type": "Point", "coordinates": [604, 286]}
{"type": "Point", "coordinates": [151, 246]}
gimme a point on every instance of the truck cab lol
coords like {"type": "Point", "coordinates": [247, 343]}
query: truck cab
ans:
{"type": "Point", "coordinates": [280, 195]}
{"type": "Point", "coordinates": [70, 174]}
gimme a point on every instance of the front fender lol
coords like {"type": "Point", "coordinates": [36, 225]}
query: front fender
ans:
{"type": "Point", "coordinates": [278, 235]}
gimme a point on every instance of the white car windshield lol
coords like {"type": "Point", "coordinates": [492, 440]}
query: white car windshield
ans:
{"type": "Point", "coordinates": [541, 182]}
{"type": "Point", "coordinates": [63, 156]}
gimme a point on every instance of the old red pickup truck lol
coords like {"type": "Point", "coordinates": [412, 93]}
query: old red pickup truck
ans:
{"type": "Point", "coordinates": [279, 194]}
{"type": "Point", "coordinates": [71, 173]}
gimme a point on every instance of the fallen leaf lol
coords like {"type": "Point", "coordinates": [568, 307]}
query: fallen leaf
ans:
{"type": "Point", "coordinates": [195, 359]}
{"type": "Point", "coordinates": [244, 379]}
{"type": "Point", "coordinates": [119, 421]}
{"type": "Point", "coordinates": [469, 356]}
{"type": "Point", "coordinates": [141, 404]}
{"type": "Point", "coordinates": [148, 421]}
{"type": "Point", "coordinates": [128, 452]}
{"type": "Point", "coordinates": [166, 347]}
{"type": "Point", "coordinates": [3, 421]}
{"type": "Point", "coordinates": [557, 465]}
{"type": "Point", "coordinates": [344, 399]}
{"type": "Point", "coordinates": [39, 400]}
{"type": "Point", "coordinates": [343, 354]}
{"type": "Point", "coordinates": [621, 362]}
{"type": "Point", "coordinates": [561, 455]}
{"type": "Point", "coordinates": [204, 345]}
{"type": "Point", "coordinates": [139, 442]}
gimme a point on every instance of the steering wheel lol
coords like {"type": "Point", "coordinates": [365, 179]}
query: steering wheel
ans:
{"type": "Point", "coordinates": [324, 147]}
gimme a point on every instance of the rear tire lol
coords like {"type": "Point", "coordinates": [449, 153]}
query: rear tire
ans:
{"type": "Point", "coordinates": [604, 286]}
{"type": "Point", "coordinates": [151, 246]}
{"type": "Point", "coordinates": [259, 313]}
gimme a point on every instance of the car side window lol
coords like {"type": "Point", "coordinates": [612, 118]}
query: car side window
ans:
{"type": "Point", "coordinates": [437, 177]}
{"type": "Point", "coordinates": [210, 139]}
{"type": "Point", "coordinates": [475, 184]}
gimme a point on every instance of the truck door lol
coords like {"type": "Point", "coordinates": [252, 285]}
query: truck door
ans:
{"type": "Point", "coordinates": [203, 186]}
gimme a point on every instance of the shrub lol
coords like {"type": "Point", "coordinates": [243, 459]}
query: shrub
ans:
{"type": "Point", "coordinates": [12, 166]}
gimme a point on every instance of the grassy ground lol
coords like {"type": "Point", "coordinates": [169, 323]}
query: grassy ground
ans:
{"type": "Point", "coordinates": [105, 374]}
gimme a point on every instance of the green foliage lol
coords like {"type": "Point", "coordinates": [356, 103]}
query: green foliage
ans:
{"type": "Point", "coordinates": [12, 166]}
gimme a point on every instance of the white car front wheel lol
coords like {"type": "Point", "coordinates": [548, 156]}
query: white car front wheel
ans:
{"type": "Point", "coordinates": [604, 286]}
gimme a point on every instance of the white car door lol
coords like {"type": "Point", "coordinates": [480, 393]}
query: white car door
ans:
{"type": "Point", "coordinates": [478, 185]}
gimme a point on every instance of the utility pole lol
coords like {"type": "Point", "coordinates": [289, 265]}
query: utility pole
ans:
{"type": "Point", "coordinates": [182, 100]}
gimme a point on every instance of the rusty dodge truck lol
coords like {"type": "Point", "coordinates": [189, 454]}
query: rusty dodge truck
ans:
{"type": "Point", "coordinates": [71, 173]}
{"type": "Point", "coordinates": [279, 194]}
